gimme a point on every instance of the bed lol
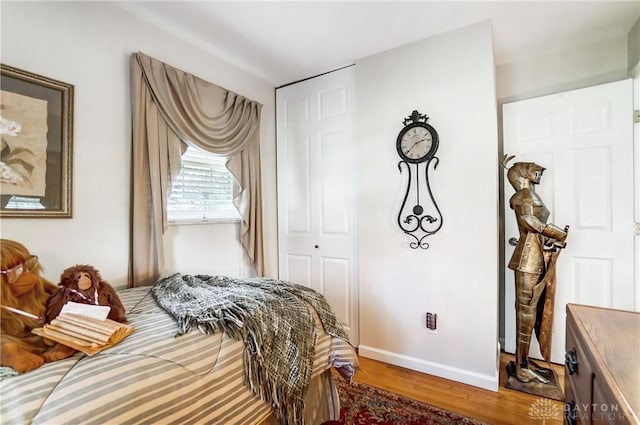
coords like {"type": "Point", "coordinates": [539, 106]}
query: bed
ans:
{"type": "Point", "coordinates": [154, 376]}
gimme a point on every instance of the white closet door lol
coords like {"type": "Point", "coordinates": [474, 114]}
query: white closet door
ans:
{"type": "Point", "coordinates": [316, 200]}
{"type": "Point", "coordinates": [585, 140]}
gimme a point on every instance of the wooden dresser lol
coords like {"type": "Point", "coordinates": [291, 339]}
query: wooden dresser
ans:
{"type": "Point", "coordinates": [602, 366]}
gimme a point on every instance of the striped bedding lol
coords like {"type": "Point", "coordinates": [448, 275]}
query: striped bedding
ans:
{"type": "Point", "coordinates": [152, 377]}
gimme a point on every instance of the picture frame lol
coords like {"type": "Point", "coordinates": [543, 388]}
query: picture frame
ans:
{"type": "Point", "coordinates": [36, 127]}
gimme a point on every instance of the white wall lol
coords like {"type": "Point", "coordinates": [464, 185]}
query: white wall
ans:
{"type": "Point", "coordinates": [586, 66]}
{"type": "Point", "coordinates": [89, 44]}
{"type": "Point", "coordinates": [633, 49]}
{"type": "Point", "coordinates": [451, 79]}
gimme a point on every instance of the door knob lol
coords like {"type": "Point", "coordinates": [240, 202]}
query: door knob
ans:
{"type": "Point", "coordinates": [316, 246]}
{"type": "Point", "coordinates": [513, 241]}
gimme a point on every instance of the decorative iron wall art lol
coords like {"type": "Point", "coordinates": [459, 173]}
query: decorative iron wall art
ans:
{"type": "Point", "coordinates": [419, 215]}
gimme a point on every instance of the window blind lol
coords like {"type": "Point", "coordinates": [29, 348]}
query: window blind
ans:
{"type": "Point", "coordinates": [203, 190]}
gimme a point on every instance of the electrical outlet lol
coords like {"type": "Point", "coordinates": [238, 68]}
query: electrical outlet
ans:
{"type": "Point", "coordinates": [432, 321]}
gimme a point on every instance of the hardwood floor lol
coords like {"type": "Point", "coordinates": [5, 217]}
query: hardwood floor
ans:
{"type": "Point", "coordinates": [504, 407]}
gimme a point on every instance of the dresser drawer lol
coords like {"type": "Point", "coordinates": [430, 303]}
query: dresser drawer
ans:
{"type": "Point", "coordinates": [606, 410]}
{"type": "Point", "coordinates": [578, 382]}
{"type": "Point", "coordinates": [571, 414]}
{"type": "Point", "coordinates": [604, 384]}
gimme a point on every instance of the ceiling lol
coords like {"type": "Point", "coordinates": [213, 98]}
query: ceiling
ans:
{"type": "Point", "coordinates": [285, 41]}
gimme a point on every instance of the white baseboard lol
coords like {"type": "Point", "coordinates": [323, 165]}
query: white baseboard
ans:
{"type": "Point", "coordinates": [486, 382]}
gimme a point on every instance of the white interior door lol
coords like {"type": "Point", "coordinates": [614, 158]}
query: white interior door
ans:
{"type": "Point", "coordinates": [316, 202]}
{"type": "Point", "coordinates": [585, 140]}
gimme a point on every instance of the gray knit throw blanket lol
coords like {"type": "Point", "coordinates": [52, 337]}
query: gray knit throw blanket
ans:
{"type": "Point", "coordinates": [270, 316]}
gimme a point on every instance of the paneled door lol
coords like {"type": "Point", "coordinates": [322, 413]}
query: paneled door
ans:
{"type": "Point", "coordinates": [316, 202]}
{"type": "Point", "coordinates": [585, 140]}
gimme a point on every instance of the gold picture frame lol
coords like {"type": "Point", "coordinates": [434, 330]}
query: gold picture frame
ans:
{"type": "Point", "coordinates": [36, 127]}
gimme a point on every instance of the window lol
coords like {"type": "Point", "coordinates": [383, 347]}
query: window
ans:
{"type": "Point", "coordinates": [203, 191]}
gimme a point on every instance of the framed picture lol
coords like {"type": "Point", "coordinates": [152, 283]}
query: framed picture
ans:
{"type": "Point", "coordinates": [36, 126]}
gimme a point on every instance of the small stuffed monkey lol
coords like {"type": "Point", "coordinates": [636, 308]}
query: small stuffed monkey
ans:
{"type": "Point", "coordinates": [83, 284]}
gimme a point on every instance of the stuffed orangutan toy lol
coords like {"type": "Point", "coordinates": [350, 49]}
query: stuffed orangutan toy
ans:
{"type": "Point", "coordinates": [24, 294]}
{"type": "Point", "coordinates": [83, 284]}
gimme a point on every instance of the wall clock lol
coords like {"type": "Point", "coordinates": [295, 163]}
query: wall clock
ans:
{"type": "Point", "coordinates": [417, 141]}
{"type": "Point", "coordinates": [417, 144]}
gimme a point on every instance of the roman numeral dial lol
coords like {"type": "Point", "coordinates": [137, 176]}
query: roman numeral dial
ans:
{"type": "Point", "coordinates": [417, 142]}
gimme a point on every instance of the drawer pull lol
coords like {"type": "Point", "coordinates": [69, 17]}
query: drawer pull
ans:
{"type": "Point", "coordinates": [571, 413]}
{"type": "Point", "coordinates": [571, 361]}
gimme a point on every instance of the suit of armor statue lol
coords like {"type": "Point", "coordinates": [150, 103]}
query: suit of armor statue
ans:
{"type": "Point", "coordinates": [531, 260]}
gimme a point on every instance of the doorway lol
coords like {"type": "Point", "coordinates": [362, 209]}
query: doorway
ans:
{"type": "Point", "coordinates": [585, 140]}
{"type": "Point", "coordinates": [316, 183]}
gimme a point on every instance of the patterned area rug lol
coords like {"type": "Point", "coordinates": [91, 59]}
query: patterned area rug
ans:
{"type": "Point", "coordinates": [362, 404]}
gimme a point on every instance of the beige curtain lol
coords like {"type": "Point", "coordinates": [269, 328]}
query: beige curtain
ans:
{"type": "Point", "coordinates": [172, 108]}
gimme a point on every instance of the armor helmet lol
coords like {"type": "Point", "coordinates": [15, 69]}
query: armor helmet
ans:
{"type": "Point", "coordinates": [521, 172]}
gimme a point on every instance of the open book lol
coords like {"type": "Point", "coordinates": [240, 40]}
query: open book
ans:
{"type": "Point", "coordinates": [84, 333]}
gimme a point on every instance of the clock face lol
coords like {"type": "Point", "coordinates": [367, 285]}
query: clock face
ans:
{"type": "Point", "coordinates": [417, 142]}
